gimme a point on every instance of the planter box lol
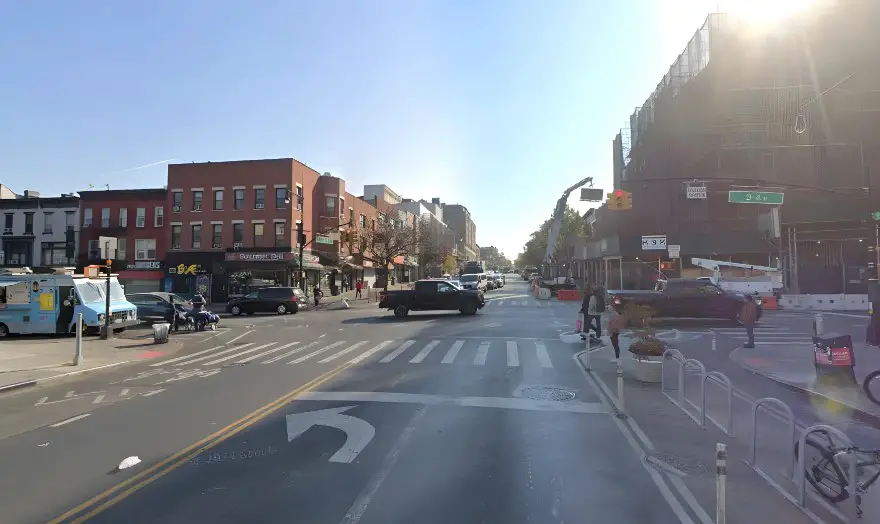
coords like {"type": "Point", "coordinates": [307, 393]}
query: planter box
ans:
{"type": "Point", "coordinates": [648, 369]}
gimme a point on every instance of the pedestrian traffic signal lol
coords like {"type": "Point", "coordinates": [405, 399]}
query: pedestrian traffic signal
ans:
{"type": "Point", "coordinates": [619, 200]}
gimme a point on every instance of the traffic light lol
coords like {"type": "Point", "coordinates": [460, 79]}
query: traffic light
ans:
{"type": "Point", "coordinates": [300, 236]}
{"type": "Point", "coordinates": [619, 200]}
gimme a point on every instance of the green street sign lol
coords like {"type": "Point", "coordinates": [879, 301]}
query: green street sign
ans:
{"type": "Point", "coordinates": [755, 197]}
{"type": "Point", "coordinates": [875, 215]}
{"type": "Point", "coordinates": [321, 239]}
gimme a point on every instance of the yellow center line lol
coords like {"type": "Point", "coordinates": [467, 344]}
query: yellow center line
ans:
{"type": "Point", "coordinates": [153, 473]}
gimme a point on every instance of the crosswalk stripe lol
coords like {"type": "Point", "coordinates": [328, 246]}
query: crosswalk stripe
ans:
{"type": "Point", "coordinates": [482, 354]}
{"type": "Point", "coordinates": [543, 356]}
{"type": "Point", "coordinates": [512, 354]}
{"type": "Point", "coordinates": [369, 353]}
{"type": "Point", "coordinates": [264, 353]}
{"type": "Point", "coordinates": [217, 354]}
{"type": "Point", "coordinates": [453, 352]}
{"type": "Point", "coordinates": [313, 353]}
{"type": "Point", "coordinates": [178, 359]}
{"type": "Point", "coordinates": [423, 354]}
{"type": "Point", "coordinates": [240, 353]}
{"type": "Point", "coordinates": [394, 354]}
{"type": "Point", "coordinates": [294, 352]}
{"type": "Point", "coordinates": [345, 351]}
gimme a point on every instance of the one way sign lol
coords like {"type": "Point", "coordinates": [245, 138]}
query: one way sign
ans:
{"type": "Point", "coordinates": [654, 242]}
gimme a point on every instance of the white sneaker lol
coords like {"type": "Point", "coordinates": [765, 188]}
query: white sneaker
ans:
{"type": "Point", "coordinates": [613, 360]}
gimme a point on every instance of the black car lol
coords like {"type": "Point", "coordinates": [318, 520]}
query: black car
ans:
{"type": "Point", "coordinates": [156, 306]}
{"type": "Point", "coordinates": [281, 300]}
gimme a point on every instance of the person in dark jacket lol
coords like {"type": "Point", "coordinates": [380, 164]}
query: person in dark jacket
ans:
{"type": "Point", "coordinates": [748, 315]}
{"type": "Point", "coordinates": [585, 304]}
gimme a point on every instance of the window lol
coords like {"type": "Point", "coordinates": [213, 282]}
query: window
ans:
{"type": "Point", "coordinates": [218, 235]}
{"type": "Point", "coordinates": [363, 222]}
{"type": "Point", "coordinates": [197, 236]}
{"type": "Point", "coordinates": [105, 217]}
{"type": "Point", "coordinates": [351, 216]}
{"type": "Point", "coordinates": [87, 217]}
{"type": "Point", "coordinates": [259, 198]}
{"type": "Point", "coordinates": [47, 222]}
{"type": "Point", "coordinates": [237, 233]}
{"type": "Point", "coordinates": [299, 198]}
{"type": "Point", "coordinates": [94, 250]}
{"type": "Point", "coordinates": [176, 201]}
{"type": "Point", "coordinates": [280, 197]}
{"type": "Point", "coordinates": [120, 248]}
{"type": "Point", "coordinates": [55, 254]}
{"type": "Point", "coordinates": [175, 236]}
{"type": "Point", "coordinates": [145, 249]}
{"type": "Point", "coordinates": [123, 217]}
{"type": "Point", "coordinates": [373, 224]}
{"type": "Point", "coordinates": [69, 220]}
{"type": "Point", "coordinates": [7, 225]}
{"type": "Point", "coordinates": [28, 223]}
{"type": "Point", "coordinates": [197, 200]}
{"type": "Point", "coordinates": [218, 200]}
{"type": "Point", "coordinates": [258, 234]}
{"type": "Point", "coordinates": [141, 217]}
{"type": "Point", "coordinates": [159, 216]}
{"type": "Point", "coordinates": [279, 234]}
{"type": "Point", "coordinates": [238, 198]}
{"type": "Point", "coordinates": [331, 206]}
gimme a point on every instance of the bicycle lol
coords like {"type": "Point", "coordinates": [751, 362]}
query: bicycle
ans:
{"type": "Point", "coordinates": [866, 386]}
{"type": "Point", "coordinates": [834, 466]}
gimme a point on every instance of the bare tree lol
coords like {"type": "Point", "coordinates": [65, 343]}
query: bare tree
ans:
{"type": "Point", "coordinates": [432, 251]}
{"type": "Point", "coordinates": [389, 240]}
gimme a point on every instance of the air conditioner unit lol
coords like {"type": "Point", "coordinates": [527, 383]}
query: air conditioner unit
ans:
{"type": "Point", "coordinates": [175, 209]}
{"type": "Point", "coordinates": [218, 246]}
{"type": "Point", "coordinates": [175, 246]}
{"type": "Point", "coordinates": [197, 207]}
{"type": "Point", "coordinates": [259, 206]}
{"type": "Point", "coordinates": [7, 231]}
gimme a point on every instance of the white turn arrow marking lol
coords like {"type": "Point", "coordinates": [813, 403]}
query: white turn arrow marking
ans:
{"type": "Point", "coordinates": [358, 432]}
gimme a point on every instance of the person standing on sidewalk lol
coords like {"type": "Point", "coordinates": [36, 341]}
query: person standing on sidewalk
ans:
{"type": "Point", "coordinates": [585, 306]}
{"type": "Point", "coordinates": [595, 309]}
{"type": "Point", "coordinates": [615, 324]}
{"type": "Point", "coordinates": [357, 289]}
{"type": "Point", "coordinates": [748, 315]}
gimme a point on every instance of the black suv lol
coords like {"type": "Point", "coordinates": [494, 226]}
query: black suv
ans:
{"type": "Point", "coordinates": [279, 300]}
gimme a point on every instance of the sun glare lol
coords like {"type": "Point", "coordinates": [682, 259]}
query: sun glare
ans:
{"type": "Point", "coordinates": [767, 10]}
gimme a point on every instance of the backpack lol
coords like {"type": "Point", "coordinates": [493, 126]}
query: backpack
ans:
{"type": "Point", "coordinates": [600, 301]}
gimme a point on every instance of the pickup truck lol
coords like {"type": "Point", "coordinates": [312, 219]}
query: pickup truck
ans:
{"type": "Point", "coordinates": [686, 298]}
{"type": "Point", "coordinates": [432, 295]}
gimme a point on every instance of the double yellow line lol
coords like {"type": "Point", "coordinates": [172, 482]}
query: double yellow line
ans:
{"type": "Point", "coordinates": [121, 491]}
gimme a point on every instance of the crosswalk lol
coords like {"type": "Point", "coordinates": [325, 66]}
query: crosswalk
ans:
{"type": "Point", "coordinates": [769, 336]}
{"type": "Point", "coordinates": [512, 353]}
{"type": "Point", "coordinates": [528, 303]}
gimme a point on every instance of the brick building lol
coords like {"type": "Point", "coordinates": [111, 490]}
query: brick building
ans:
{"type": "Point", "coordinates": [136, 218]}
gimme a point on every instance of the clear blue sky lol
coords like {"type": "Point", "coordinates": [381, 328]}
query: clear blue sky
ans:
{"type": "Point", "coordinates": [495, 104]}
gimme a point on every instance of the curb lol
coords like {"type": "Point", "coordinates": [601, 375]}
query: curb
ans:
{"type": "Point", "coordinates": [17, 385]}
{"type": "Point", "coordinates": [33, 382]}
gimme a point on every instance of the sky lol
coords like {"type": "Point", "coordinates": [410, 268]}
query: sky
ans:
{"type": "Point", "coordinates": [498, 105]}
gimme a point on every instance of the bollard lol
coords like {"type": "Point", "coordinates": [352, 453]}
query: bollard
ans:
{"type": "Point", "coordinates": [714, 342]}
{"type": "Point", "coordinates": [818, 324]}
{"type": "Point", "coordinates": [621, 409]}
{"type": "Point", "coordinates": [345, 303]}
{"type": "Point", "coordinates": [720, 483]}
{"type": "Point", "coordinates": [586, 360]}
{"type": "Point", "coordinates": [78, 356]}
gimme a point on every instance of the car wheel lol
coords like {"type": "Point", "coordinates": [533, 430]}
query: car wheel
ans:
{"type": "Point", "coordinates": [236, 310]}
{"type": "Point", "coordinates": [4, 331]}
{"type": "Point", "coordinates": [294, 308]}
{"type": "Point", "coordinates": [401, 311]}
{"type": "Point", "coordinates": [282, 309]}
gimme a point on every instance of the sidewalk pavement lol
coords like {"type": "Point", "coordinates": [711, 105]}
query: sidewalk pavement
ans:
{"type": "Point", "coordinates": [27, 361]}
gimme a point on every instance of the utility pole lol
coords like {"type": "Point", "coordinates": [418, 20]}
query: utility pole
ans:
{"type": "Point", "coordinates": [108, 333]}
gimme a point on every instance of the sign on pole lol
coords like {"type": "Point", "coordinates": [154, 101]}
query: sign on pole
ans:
{"type": "Point", "coordinates": [876, 215]}
{"type": "Point", "coordinates": [322, 239]}
{"type": "Point", "coordinates": [674, 250]}
{"type": "Point", "coordinates": [755, 197]}
{"type": "Point", "coordinates": [654, 243]}
{"type": "Point", "coordinates": [696, 192]}
{"type": "Point", "coordinates": [108, 246]}
{"type": "Point", "coordinates": [592, 194]}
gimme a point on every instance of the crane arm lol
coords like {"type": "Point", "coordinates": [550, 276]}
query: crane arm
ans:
{"type": "Point", "coordinates": [558, 214]}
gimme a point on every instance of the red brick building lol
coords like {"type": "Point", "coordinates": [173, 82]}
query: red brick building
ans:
{"type": "Point", "coordinates": [136, 218]}
{"type": "Point", "coordinates": [232, 225]}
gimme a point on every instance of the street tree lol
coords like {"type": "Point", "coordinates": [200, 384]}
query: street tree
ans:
{"type": "Point", "coordinates": [432, 250]}
{"type": "Point", "coordinates": [573, 225]}
{"type": "Point", "coordinates": [390, 239]}
{"type": "Point", "coordinates": [450, 265]}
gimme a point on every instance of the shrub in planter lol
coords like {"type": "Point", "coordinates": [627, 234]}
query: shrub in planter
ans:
{"type": "Point", "coordinates": [641, 320]}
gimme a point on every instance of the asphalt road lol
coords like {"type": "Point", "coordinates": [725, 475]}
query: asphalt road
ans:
{"type": "Point", "coordinates": [339, 416]}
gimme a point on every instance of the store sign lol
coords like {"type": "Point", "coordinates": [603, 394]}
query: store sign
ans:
{"type": "Point", "coordinates": [241, 256]}
{"type": "Point", "coordinates": [145, 265]}
{"type": "Point", "coordinates": [186, 269]}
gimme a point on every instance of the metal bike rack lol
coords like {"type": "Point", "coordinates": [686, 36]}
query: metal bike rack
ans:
{"type": "Point", "coordinates": [722, 380]}
{"type": "Point", "coordinates": [695, 364]}
{"type": "Point", "coordinates": [673, 354]}
{"type": "Point", "coordinates": [789, 416]}
{"type": "Point", "coordinates": [801, 480]}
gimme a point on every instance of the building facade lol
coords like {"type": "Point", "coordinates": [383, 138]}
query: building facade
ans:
{"type": "Point", "coordinates": [459, 219]}
{"type": "Point", "coordinates": [136, 218]}
{"type": "Point", "coordinates": [38, 232]}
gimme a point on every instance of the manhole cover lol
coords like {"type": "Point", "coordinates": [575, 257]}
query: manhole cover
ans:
{"type": "Point", "coordinates": [547, 393]}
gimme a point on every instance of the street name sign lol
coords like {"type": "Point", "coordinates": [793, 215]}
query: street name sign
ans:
{"type": "Point", "coordinates": [755, 197]}
{"type": "Point", "coordinates": [696, 192]}
{"type": "Point", "coordinates": [654, 243]}
{"type": "Point", "coordinates": [322, 239]}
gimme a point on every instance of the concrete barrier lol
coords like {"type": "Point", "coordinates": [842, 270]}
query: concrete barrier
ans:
{"type": "Point", "coordinates": [824, 302]}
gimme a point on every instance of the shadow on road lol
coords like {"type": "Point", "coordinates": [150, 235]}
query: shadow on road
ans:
{"type": "Point", "coordinates": [451, 316]}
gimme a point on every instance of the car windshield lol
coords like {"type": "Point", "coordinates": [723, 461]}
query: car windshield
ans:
{"type": "Point", "coordinates": [469, 278]}
{"type": "Point", "coordinates": [89, 292]}
{"type": "Point", "coordinates": [455, 283]}
{"type": "Point", "coordinates": [116, 291]}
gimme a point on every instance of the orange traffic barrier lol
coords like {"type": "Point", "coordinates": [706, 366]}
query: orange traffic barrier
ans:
{"type": "Point", "coordinates": [568, 294]}
{"type": "Point", "coordinates": [769, 302]}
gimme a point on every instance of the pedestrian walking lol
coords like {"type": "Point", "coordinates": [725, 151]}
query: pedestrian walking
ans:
{"type": "Point", "coordinates": [616, 322]}
{"type": "Point", "coordinates": [585, 306]}
{"type": "Point", "coordinates": [748, 315]}
{"type": "Point", "coordinates": [357, 289]}
{"type": "Point", "coordinates": [595, 309]}
{"type": "Point", "coordinates": [317, 294]}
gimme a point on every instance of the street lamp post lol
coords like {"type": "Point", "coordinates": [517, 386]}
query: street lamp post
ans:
{"type": "Point", "coordinates": [300, 228]}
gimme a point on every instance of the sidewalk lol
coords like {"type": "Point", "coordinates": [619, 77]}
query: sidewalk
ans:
{"type": "Point", "coordinates": [27, 361]}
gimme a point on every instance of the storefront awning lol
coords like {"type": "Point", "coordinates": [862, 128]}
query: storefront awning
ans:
{"type": "Point", "coordinates": [314, 266]}
{"type": "Point", "coordinates": [6, 284]}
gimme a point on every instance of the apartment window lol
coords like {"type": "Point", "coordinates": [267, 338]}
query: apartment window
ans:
{"type": "Point", "coordinates": [197, 236]}
{"type": "Point", "coordinates": [105, 217]}
{"type": "Point", "coordinates": [351, 217]}
{"type": "Point", "coordinates": [87, 217]}
{"type": "Point", "coordinates": [279, 234]}
{"type": "Point", "coordinates": [94, 250]}
{"type": "Point", "coordinates": [28, 223]}
{"type": "Point", "coordinates": [159, 216]}
{"type": "Point", "coordinates": [363, 222]}
{"type": "Point", "coordinates": [218, 234]}
{"type": "Point", "coordinates": [197, 200]}
{"type": "Point", "coordinates": [280, 197]}
{"type": "Point", "coordinates": [331, 206]}
{"type": "Point", "coordinates": [237, 233]}
{"type": "Point", "coordinates": [55, 254]}
{"type": "Point", "coordinates": [120, 248]}
{"type": "Point", "coordinates": [299, 198]}
{"type": "Point", "coordinates": [47, 222]}
{"type": "Point", "coordinates": [145, 249]}
{"type": "Point", "coordinates": [123, 217]}
{"type": "Point", "coordinates": [175, 236]}
{"type": "Point", "coordinates": [141, 217]}
{"type": "Point", "coordinates": [238, 198]}
{"type": "Point", "coordinates": [258, 234]}
{"type": "Point", "coordinates": [176, 201]}
{"type": "Point", "coordinates": [69, 220]}
{"type": "Point", "coordinates": [218, 200]}
{"type": "Point", "coordinates": [259, 198]}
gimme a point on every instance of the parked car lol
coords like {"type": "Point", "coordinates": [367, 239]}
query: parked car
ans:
{"type": "Point", "coordinates": [279, 300]}
{"type": "Point", "coordinates": [491, 283]}
{"type": "Point", "coordinates": [156, 306]}
{"type": "Point", "coordinates": [499, 280]}
{"type": "Point", "coordinates": [686, 298]}
{"type": "Point", "coordinates": [473, 281]}
{"type": "Point", "coordinates": [432, 295]}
